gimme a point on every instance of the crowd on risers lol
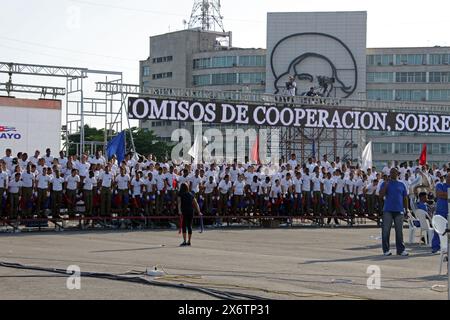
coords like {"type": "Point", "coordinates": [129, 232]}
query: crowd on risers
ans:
{"type": "Point", "coordinates": [322, 191]}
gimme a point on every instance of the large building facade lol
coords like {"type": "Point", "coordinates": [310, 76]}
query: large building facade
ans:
{"type": "Point", "coordinates": [409, 74]}
{"type": "Point", "coordinates": [327, 46]}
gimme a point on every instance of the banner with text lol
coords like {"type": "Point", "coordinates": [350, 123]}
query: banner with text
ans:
{"type": "Point", "coordinates": [286, 116]}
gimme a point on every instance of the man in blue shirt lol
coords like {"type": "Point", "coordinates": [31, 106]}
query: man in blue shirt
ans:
{"type": "Point", "coordinates": [441, 209]}
{"type": "Point", "coordinates": [395, 203]}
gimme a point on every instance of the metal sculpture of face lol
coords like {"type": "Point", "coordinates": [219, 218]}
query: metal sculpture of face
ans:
{"type": "Point", "coordinates": [338, 72]}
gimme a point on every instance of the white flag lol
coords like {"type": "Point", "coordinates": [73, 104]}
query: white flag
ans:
{"type": "Point", "coordinates": [367, 157]}
{"type": "Point", "coordinates": [194, 152]}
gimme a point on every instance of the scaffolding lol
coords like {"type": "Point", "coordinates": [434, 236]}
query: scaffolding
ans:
{"type": "Point", "coordinates": [80, 103]}
{"type": "Point", "coordinates": [305, 143]}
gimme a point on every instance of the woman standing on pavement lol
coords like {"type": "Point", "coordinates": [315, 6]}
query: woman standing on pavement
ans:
{"type": "Point", "coordinates": [186, 205]}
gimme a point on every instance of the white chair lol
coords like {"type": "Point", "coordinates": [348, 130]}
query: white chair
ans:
{"type": "Point", "coordinates": [412, 229]}
{"type": "Point", "coordinates": [440, 225]}
{"type": "Point", "coordinates": [425, 227]}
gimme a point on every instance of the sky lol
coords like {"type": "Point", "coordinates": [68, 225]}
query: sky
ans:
{"type": "Point", "coordinates": [113, 35]}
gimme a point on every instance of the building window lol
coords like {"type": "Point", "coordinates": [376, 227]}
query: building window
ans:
{"type": "Point", "coordinates": [146, 71]}
{"type": "Point", "coordinates": [380, 77]}
{"type": "Point", "coordinates": [414, 148]}
{"type": "Point", "coordinates": [162, 75]}
{"type": "Point", "coordinates": [202, 80]}
{"type": "Point", "coordinates": [380, 60]}
{"type": "Point", "coordinates": [162, 59]}
{"type": "Point", "coordinates": [401, 148]}
{"type": "Point", "coordinates": [411, 95]}
{"type": "Point", "coordinates": [224, 79]}
{"type": "Point", "coordinates": [439, 95]}
{"type": "Point", "coordinates": [252, 61]}
{"type": "Point", "coordinates": [252, 78]}
{"type": "Point", "coordinates": [382, 94]}
{"type": "Point", "coordinates": [413, 59]}
{"type": "Point", "coordinates": [202, 63]}
{"type": "Point", "coordinates": [146, 85]}
{"type": "Point", "coordinates": [224, 62]}
{"type": "Point", "coordinates": [438, 59]}
{"type": "Point", "coordinates": [440, 77]}
{"type": "Point", "coordinates": [382, 148]}
{"type": "Point", "coordinates": [411, 77]}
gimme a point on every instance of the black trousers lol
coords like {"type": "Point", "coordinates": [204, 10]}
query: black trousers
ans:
{"type": "Point", "coordinates": [186, 225]}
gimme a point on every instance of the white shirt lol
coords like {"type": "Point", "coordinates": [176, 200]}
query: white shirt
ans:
{"type": "Point", "coordinates": [137, 187]}
{"type": "Point", "coordinates": [43, 181]}
{"type": "Point", "coordinates": [298, 185]}
{"type": "Point", "coordinates": [340, 183]}
{"type": "Point", "coordinates": [72, 182]}
{"type": "Point", "coordinates": [195, 182]}
{"type": "Point", "coordinates": [57, 183]}
{"type": "Point", "coordinates": [209, 187]}
{"type": "Point", "coordinates": [14, 186]}
{"type": "Point", "coordinates": [224, 187]}
{"type": "Point", "coordinates": [254, 186]}
{"type": "Point", "coordinates": [106, 179]}
{"type": "Point", "coordinates": [48, 161]}
{"type": "Point", "coordinates": [239, 188]}
{"type": "Point", "coordinates": [89, 183]}
{"type": "Point", "coordinates": [3, 179]}
{"type": "Point", "coordinates": [293, 163]}
{"type": "Point", "coordinates": [359, 187]}
{"type": "Point", "coordinates": [316, 183]}
{"type": "Point", "coordinates": [160, 181]}
{"type": "Point", "coordinates": [328, 186]}
{"type": "Point", "coordinates": [306, 179]}
{"type": "Point", "coordinates": [149, 184]}
{"type": "Point", "coordinates": [8, 161]}
{"type": "Point", "coordinates": [83, 169]}
{"type": "Point", "coordinates": [350, 186]}
{"type": "Point", "coordinates": [275, 192]}
{"type": "Point", "coordinates": [122, 182]}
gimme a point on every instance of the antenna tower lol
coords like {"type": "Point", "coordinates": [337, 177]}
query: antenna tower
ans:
{"type": "Point", "coordinates": [206, 15]}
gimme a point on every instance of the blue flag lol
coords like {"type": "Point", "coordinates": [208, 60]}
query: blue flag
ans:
{"type": "Point", "coordinates": [117, 147]}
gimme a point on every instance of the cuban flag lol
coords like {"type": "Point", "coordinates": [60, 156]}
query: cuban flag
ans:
{"type": "Point", "coordinates": [7, 129]}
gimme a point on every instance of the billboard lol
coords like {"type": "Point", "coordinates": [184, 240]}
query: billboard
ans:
{"type": "Point", "coordinates": [321, 50]}
{"type": "Point", "coordinates": [285, 116]}
{"type": "Point", "coordinates": [28, 125]}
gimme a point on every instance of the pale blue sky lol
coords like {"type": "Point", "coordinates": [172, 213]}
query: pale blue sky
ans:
{"type": "Point", "coordinates": [114, 34]}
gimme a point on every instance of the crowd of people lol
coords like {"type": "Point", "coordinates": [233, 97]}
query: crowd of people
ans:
{"type": "Point", "coordinates": [328, 192]}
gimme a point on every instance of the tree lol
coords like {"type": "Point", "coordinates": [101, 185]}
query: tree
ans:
{"type": "Point", "coordinates": [146, 142]}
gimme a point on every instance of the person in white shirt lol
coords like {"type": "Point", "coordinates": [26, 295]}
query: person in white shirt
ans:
{"type": "Point", "coordinates": [43, 181]}
{"type": "Point", "coordinates": [298, 205]}
{"type": "Point", "coordinates": [14, 188]}
{"type": "Point", "coordinates": [35, 159]}
{"type": "Point", "coordinates": [252, 194]}
{"type": "Point", "coordinates": [275, 197]}
{"type": "Point", "coordinates": [137, 186]}
{"type": "Point", "coordinates": [89, 184]}
{"type": "Point", "coordinates": [327, 188]}
{"type": "Point", "coordinates": [306, 182]}
{"type": "Point", "coordinates": [72, 186]}
{"type": "Point", "coordinates": [48, 158]}
{"type": "Point", "coordinates": [150, 189]}
{"type": "Point", "coordinates": [106, 181]}
{"type": "Point", "coordinates": [293, 161]}
{"type": "Point", "coordinates": [339, 190]}
{"type": "Point", "coordinates": [238, 196]}
{"type": "Point", "coordinates": [8, 159]}
{"type": "Point", "coordinates": [3, 187]}
{"type": "Point", "coordinates": [350, 188]}
{"type": "Point", "coordinates": [57, 183]}
{"type": "Point", "coordinates": [83, 168]}
{"type": "Point", "coordinates": [210, 190]}
{"type": "Point", "coordinates": [370, 196]}
{"type": "Point", "coordinates": [224, 193]}
{"type": "Point", "coordinates": [161, 184]}
{"type": "Point", "coordinates": [122, 182]}
{"type": "Point", "coordinates": [316, 184]}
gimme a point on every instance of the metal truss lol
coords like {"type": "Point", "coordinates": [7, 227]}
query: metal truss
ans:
{"type": "Point", "coordinates": [42, 70]}
{"type": "Point", "coordinates": [25, 88]}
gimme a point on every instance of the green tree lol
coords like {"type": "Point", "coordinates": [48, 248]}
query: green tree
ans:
{"type": "Point", "coordinates": [146, 142]}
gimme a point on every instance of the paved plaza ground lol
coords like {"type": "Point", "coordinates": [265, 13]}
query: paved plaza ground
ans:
{"type": "Point", "coordinates": [306, 263]}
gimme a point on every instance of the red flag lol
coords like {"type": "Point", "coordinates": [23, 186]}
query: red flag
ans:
{"type": "Point", "coordinates": [423, 156]}
{"type": "Point", "coordinates": [255, 151]}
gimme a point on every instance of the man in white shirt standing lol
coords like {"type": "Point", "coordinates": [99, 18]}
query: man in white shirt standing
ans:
{"type": "Point", "coordinates": [57, 183]}
{"type": "Point", "coordinates": [72, 185]}
{"type": "Point", "coordinates": [3, 187]}
{"type": "Point", "coordinates": [8, 160]}
{"type": "Point", "coordinates": [43, 181]}
{"type": "Point", "coordinates": [48, 158]}
{"type": "Point", "coordinates": [28, 180]}
{"type": "Point", "coordinates": [15, 188]}
{"type": "Point", "coordinates": [106, 180]}
{"type": "Point", "coordinates": [122, 182]}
